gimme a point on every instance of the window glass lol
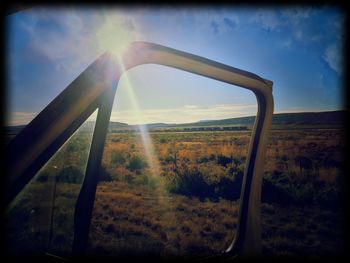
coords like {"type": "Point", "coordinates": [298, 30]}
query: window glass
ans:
{"type": "Point", "coordinates": [40, 219]}
{"type": "Point", "coordinates": [171, 189]}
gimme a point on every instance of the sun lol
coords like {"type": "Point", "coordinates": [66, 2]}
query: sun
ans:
{"type": "Point", "coordinates": [115, 33]}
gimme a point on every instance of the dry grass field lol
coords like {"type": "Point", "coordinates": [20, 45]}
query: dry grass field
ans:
{"type": "Point", "coordinates": [179, 196]}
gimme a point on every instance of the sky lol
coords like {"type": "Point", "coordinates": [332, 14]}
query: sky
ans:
{"type": "Point", "coordinates": [299, 48]}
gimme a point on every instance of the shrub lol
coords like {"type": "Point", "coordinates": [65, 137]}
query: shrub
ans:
{"type": "Point", "coordinates": [190, 182]}
{"type": "Point", "coordinates": [274, 193]}
{"type": "Point", "coordinates": [329, 163]}
{"type": "Point", "coordinates": [141, 179]}
{"type": "Point", "coordinates": [72, 147]}
{"type": "Point", "coordinates": [163, 140]}
{"type": "Point", "coordinates": [329, 198]}
{"type": "Point", "coordinates": [149, 180]}
{"type": "Point", "coordinates": [229, 187]}
{"type": "Point", "coordinates": [77, 145]}
{"type": "Point", "coordinates": [104, 175]}
{"type": "Point", "coordinates": [291, 189]}
{"type": "Point", "coordinates": [304, 163]}
{"type": "Point", "coordinates": [169, 159]}
{"type": "Point", "coordinates": [117, 157]}
{"type": "Point", "coordinates": [212, 173]}
{"type": "Point", "coordinates": [237, 162]}
{"type": "Point", "coordinates": [71, 175]}
{"type": "Point", "coordinates": [224, 160]}
{"type": "Point", "coordinates": [129, 178]}
{"type": "Point", "coordinates": [136, 163]}
{"type": "Point", "coordinates": [234, 169]}
{"type": "Point", "coordinates": [43, 177]}
{"type": "Point", "coordinates": [305, 194]}
{"type": "Point", "coordinates": [153, 181]}
{"type": "Point", "coordinates": [213, 182]}
{"type": "Point", "coordinates": [202, 159]}
{"type": "Point", "coordinates": [212, 157]}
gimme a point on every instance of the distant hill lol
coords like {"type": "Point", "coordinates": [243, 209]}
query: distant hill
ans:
{"type": "Point", "coordinates": [152, 125]}
{"type": "Point", "coordinates": [117, 125]}
{"type": "Point", "coordinates": [326, 118]}
{"type": "Point", "coordinates": [242, 121]}
{"type": "Point", "coordinates": [89, 126]}
{"type": "Point", "coordinates": [86, 127]}
{"type": "Point", "coordinates": [302, 118]}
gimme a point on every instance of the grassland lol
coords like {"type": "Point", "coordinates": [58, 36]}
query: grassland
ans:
{"type": "Point", "coordinates": [180, 195]}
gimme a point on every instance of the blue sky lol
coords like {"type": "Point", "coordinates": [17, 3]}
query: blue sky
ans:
{"type": "Point", "coordinates": [298, 48]}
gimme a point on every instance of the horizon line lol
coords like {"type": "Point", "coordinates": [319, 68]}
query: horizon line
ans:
{"type": "Point", "coordinates": [177, 123]}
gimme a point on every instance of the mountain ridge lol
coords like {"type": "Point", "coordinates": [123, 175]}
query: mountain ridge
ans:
{"type": "Point", "coordinates": [297, 118]}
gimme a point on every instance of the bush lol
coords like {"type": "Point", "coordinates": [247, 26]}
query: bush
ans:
{"type": "Point", "coordinates": [72, 147]}
{"type": "Point", "coordinates": [330, 198]}
{"type": "Point", "coordinates": [224, 160]}
{"type": "Point", "coordinates": [291, 189]}
{"type": "Point", "coordinates": [71, 175]}
{"type": "Point", "coordinates": [77, 145]}
{"type": "Point", "coordinates": [229, 187]}
{"type": "Point", "coordinates": [213, 182]}
{"type": "Point", "coordinates": [163, 140]}
{"type": "Point", "coordinates": [169, 159]}
{"type": "Point", "coordinates": [153, 182]}
{"type": "Point", "coordinates": [139, 180]}
{"type": "Point", "coordinates": [104, 175]}
{"type": "Point", "coordinates": [330, 163]}
{"type": "Point", "coordinates": [202, 159]}
{"type": "Point", "coordinates": [129, 178]}
{"type": "Point", "coordinates": [136, 163]}
{"type": "Point", "coordinates": [117, 157]}
{"type": "Point", "coordinates": [43, 177]}
{"type": "Point", "coordinates": [212, 157]}
{"type": "Point", "coordinates": [190, 182]}
{"type": "Point", "coordinates": [275, 193]}
{"type": "Point", "coordinates": [237, 162]}
{"type": "Point", "coordinates": [116, 140]}
{"type": "Point", "coordinates": [304, 163]}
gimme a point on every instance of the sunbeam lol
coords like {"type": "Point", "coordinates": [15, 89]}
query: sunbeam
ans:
{"type": "Point", "coordinates": [151, 156]}
{"type": "Point", "coordinates": [115, 33]}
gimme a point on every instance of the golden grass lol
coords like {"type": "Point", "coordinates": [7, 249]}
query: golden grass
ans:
{"type": "Point", "coordinates": [134, 218]}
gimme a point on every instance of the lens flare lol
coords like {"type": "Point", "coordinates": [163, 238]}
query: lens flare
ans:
{"type": "Point", "coordinates": [146, 139]}
{"type": "Point", "coordinates": [150, 153]}
{"type": "Point", "coordinates": [115, 32]}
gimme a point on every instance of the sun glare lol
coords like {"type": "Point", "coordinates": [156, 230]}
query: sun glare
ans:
{"type": "Point", "coordinates": [139, 116]}
{"type": "Point", "coordinates": [115, 33]}
{"type": "Point", "coordinates": [150, 153]}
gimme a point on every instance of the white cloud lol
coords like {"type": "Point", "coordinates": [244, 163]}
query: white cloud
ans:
{"type": "Point", "coordinates": [333, 57]}
{"type": "Point", "coordinates": [191, 107]}
{"type": "Point", "coordinates": [297, 13]}
{"type": "Point", "coordinates": [268, 20]}
{"type": "Point", "coordinates": [287, 43]}
{"type": "Point", "coordinates": [72, 39]}
{"type": "Point", "coordinates": [298, 22]}
{"type": "Point", "coordinates": [203, 21]}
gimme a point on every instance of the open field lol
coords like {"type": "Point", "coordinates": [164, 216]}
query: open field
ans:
{"type": "Point", "coordinates": [179, 196]}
